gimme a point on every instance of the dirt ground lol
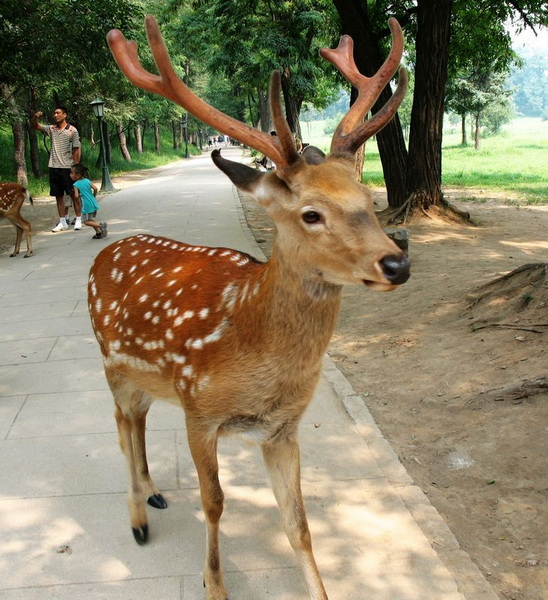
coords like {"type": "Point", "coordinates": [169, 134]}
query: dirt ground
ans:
{"type": "Point", "coordinates": [440, 363]}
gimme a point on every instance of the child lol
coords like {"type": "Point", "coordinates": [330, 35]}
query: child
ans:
{"type": "Point", "coordinates": [86, 191]}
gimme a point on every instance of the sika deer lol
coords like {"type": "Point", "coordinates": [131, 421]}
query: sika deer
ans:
{"type": "Point", "coordinates": [12, 197]}
{"type": "Point", "coordinates": [238, 343]}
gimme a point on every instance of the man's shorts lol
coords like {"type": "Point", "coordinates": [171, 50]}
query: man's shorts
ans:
{"type": "Point", "coordinates": [60, 182]}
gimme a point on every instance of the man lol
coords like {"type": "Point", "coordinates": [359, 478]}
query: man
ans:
{"type": "Point", "coordinates": [65, 152]}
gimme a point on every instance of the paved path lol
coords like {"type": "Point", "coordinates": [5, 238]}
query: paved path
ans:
{"type": "Point", "coordinates": [64, 530]}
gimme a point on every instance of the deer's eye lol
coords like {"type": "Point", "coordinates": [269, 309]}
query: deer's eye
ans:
{"type": "Point", "coordinates": [311, 217]}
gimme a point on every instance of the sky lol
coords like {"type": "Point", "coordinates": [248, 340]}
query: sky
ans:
{"type": "Point", "coordinates": [529, 40]}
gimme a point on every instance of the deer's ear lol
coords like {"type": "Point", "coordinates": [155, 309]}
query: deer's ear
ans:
{"type": "Point", "coordinates": [313, 155]}
{"type": "Point", "coordinates": [264, 187]}
{"type": "Point", "coordinates": [243, 177]}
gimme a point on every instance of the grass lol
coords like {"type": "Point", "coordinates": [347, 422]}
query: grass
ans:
{"type": "Point", "coordinates": [514, 162]}
{"type": "Point", "coordinates": [147, 160]}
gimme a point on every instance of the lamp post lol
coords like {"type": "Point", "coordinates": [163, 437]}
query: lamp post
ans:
{"type": "Point", "coordinates": [97, 106]}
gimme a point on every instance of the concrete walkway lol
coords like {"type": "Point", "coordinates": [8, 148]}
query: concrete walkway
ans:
{"type": "Point", "coordinates": [64, 529]}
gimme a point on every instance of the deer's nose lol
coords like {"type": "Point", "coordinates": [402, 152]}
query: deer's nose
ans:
{"type": "Point", "coordinates": [396, 268]}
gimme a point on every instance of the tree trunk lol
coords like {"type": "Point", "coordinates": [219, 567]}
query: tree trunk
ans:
{"type": "Point", "coordinates": [423, 181]}
{"type": "Point", "coordinates": [464, 141]}
{"type": "Point", "coordinates": [477, 132]}
{"type": "Point", "coordinates": [369, 58]}
{"type": "Point", "coordinates": [291, 105]}
{"type": "Point", "coordinates": [359, 162]}
{"type": "Point", "coordinates": [264, 112]}
{"type": "Point", "coordinates": [33, 139]}
{"type": "Point", "coordinates": [173, 134]}
{"type": "Point", "coordinates": [18, 133]}
{"type": "Point", "coordinates": [123, 143]}
{"type": "Point", "coordinates": [156, 137]}
{"type": "Point", "coordinates": [138, 138]}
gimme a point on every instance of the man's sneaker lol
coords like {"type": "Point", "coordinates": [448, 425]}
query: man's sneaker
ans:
{"type": "Point", "coordinates": [77, 224]}
{"type": "Point", "coordinates": [61, 226]}
{"type": "Point", "coordinates": [104, 228]}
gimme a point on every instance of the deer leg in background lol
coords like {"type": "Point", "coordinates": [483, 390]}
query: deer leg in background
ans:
{"type": "Point", "coordinates": [203, 447]}
{"type": "Point", "coordinates": [137, 508]}
{"type": "Point", "coordinates": [282, 459]}
{"type": "Point", "coordinates": [155, 498]}
{"type": "Point", "coordinates": [18, 238]}
{"type": "Point", "coordinates": [21, 225]}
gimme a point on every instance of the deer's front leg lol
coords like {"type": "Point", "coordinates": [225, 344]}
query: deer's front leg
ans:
{"type": "Point", "coordinates": [203, 448]}
{"type": "Point", "coordinates": [282, 459]}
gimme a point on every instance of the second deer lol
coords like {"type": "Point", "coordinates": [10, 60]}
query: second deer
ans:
{"type": "Point", "coordinates": [237, 343]}
{"type": "Point", "coordinates": [12, 197]}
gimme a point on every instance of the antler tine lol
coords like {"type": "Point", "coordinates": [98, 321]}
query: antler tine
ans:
{"type": "Point", "coordinates": [349, 135]}
{"type": "Point", "coordinates": [169, 85]}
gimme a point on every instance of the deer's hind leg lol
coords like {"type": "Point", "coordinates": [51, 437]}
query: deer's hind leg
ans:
{"type": "Point", "coordinates": [131, 408]}
{"type": "Point", "coordinates": [21, 225]}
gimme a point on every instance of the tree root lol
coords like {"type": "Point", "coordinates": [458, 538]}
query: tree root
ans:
{"type": "Point", "coordinates": [516, 392]}
{"type": "Point", "coordinates": [511, 326]}
{"type": "Point", "coordinates": [418, 202]}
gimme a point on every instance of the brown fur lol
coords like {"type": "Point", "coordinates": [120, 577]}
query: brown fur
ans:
{"type": "Point", "coordinates": [12, 197]}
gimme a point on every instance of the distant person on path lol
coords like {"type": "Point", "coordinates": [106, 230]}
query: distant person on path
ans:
{"type": "Point", "coordinates": [86, 191]}
{"type": "Point", "coordinates": [65, 152]}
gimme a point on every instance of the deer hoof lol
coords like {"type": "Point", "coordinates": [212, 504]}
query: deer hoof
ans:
{"type": "Point", "coordinates": [28, 255]}
{"type": "Point", "coordinates": [140, 534]}
{"type": "Point", "coordinates": [157, 501]}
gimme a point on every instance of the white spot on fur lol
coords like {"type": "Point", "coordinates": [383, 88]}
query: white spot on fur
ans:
{"type": "Point", "coordinates": [115, 346]}
{"type": "Point", "coordinates": [203, 313]}
{"type": "Point", "coordinates": [203, 383]}
{"type": "Point", "coordinates": [132, 361]}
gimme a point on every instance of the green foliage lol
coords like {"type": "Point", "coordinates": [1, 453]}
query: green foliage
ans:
{"type": "Point", "coordinates": [512, 163]}
{"type": "Point", "coordinates": [148, 159]}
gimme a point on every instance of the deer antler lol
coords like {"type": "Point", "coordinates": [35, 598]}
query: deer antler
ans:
{"type": "Point", "coordinates": [280, 149]}
{"type": "Point", "coordinates": [350, 134]}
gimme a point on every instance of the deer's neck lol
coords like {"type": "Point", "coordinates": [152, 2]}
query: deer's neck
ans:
{"type": "Point", "coordinates": [296, 308]}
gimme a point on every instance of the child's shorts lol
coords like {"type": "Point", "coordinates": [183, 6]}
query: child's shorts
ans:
{"type": "Point", "coordinates": [89, 216]}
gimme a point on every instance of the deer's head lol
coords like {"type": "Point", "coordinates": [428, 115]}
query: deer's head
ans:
{"type": "Point", "coordinates": [325, 219]}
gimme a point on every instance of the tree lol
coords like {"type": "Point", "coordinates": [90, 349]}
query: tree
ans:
{"type": "Point", "coordinates": [477, 91]}
{"type": "Point", "coordinates": [286, 37]}
{"type": "Point", "coordinates": [413, 178]}
{"type": "Point", "coordinates": [38, 65]}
